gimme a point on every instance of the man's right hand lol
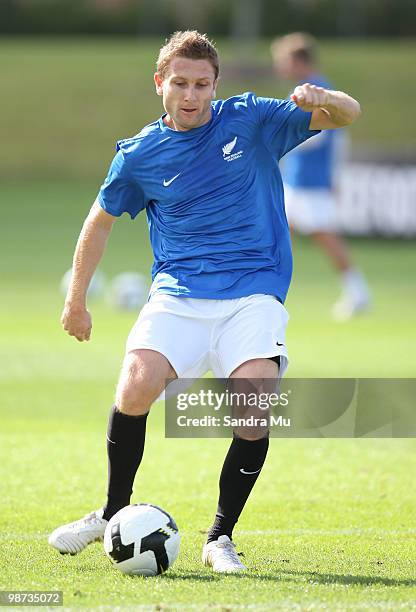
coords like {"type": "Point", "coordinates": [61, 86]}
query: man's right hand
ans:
{"type": "Point", "coordinates": [76, 322]}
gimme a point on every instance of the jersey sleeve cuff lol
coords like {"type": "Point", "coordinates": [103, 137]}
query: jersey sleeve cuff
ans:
{"type": "Point", "coordinates": [107, 207]}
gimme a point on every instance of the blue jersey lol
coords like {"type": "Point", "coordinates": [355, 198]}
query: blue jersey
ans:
{"type": "Point", "coordinates": [213, 197]}
{"type": "Point", "coordinates": [311, 166]}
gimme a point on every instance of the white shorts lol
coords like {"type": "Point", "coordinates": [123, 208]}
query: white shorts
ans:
{"type": "Point", "coordinates": [197, 335]}
{"type": "Point", "coordinates": [310, 210]}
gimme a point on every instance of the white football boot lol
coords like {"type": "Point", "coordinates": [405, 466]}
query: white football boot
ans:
{"type": "Point", "coordinates": [355, 298]}
{"type": "Point", "coordinates": [346, 308]}
{"type": "Point", "coordinates": [74, 537]}
{"type": "Point", "coordinates": [221, 556]}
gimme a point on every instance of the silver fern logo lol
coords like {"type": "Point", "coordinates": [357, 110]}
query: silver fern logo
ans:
{"type": "Point", "coordinates": [227, 151]}
{"type": "Point", "coordinates": [229, 147]}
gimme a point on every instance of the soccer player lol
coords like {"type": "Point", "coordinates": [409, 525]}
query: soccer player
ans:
{"type": "Point", "coordinates": [207, 177]}
{"type": "Point", "coordinates": [309, 178]}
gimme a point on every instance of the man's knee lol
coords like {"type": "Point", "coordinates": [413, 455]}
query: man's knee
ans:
{"type": "Point", "coordinates": [142, 379]}
{"type": "Point", "coordinates": [256, 377]}
{"type": "Point", "coordinates": [132, 399]}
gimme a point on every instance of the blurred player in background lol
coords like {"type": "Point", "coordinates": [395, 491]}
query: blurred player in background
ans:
{"type": "Point", "coordinates": [309, 177]}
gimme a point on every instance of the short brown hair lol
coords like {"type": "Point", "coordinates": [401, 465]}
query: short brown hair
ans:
{"type": "Point", "coordinates": [191, 44]}
{"type": "Point", "coordinates": [298, 45]}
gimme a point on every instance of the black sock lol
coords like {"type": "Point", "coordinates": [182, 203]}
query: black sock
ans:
{"type": "Point", "coordinates": [125, 446]}
{"type": "Point", "coordinates": [235, 484]}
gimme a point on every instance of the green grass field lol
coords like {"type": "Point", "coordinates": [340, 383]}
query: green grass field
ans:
{"type": "Point", "coordinates": [330, 524]}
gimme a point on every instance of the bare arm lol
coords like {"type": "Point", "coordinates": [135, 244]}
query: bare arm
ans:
{"type": "Point", "coordinates": [91, 244]}
{"type": "Point", "coordinates": [330, 109]}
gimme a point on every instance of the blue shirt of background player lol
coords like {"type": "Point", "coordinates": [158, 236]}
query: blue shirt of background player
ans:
{"type": "Point", "coordinates": [312, 167]}
{"type": "Point", "coordinates": [213, 197]}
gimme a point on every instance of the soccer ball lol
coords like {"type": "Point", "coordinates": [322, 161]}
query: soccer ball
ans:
{"type": "Point", "coordinates": [128, 291]}
{"type": "Point", "coordinates": [142, 539]}
{"type": "Point", "coordinates": [95, 289]}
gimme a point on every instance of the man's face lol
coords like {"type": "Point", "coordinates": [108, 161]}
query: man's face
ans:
{"type": "Point", "coordinates": [188, 88]}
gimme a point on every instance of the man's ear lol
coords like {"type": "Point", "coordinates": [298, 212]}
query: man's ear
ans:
{"type": "Point", "coordinates": [158, 83]}
{"type": "Point", "coordinates": [214, 91]}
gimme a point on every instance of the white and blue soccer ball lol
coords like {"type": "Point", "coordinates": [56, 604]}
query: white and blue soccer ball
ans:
{"type": "Point", "coordinates": [142, 539]}
{"type": "Point", "coordinates": [95, 289]}
{"type": "Point", "coordinates": [128, 291]}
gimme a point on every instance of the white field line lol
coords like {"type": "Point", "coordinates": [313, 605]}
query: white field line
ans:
{"type": "Point", "coordinates": [352, 531]}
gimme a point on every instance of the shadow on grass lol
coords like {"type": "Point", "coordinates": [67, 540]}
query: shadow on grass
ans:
{"type": "Point", "coordinates": [285, 575]}
{"type": "Point", "coordinates": [275, 575]}
{"type": "Point", "coordinates": [345, 579]}
{"type": "Point", "coordinates": [197, 576]}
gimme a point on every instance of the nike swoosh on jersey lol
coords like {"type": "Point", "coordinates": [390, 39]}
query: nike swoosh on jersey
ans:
{"type": "Point", "coordinates": [243, 471]}
{"type": "Point", "coordinates": [167, 183]}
